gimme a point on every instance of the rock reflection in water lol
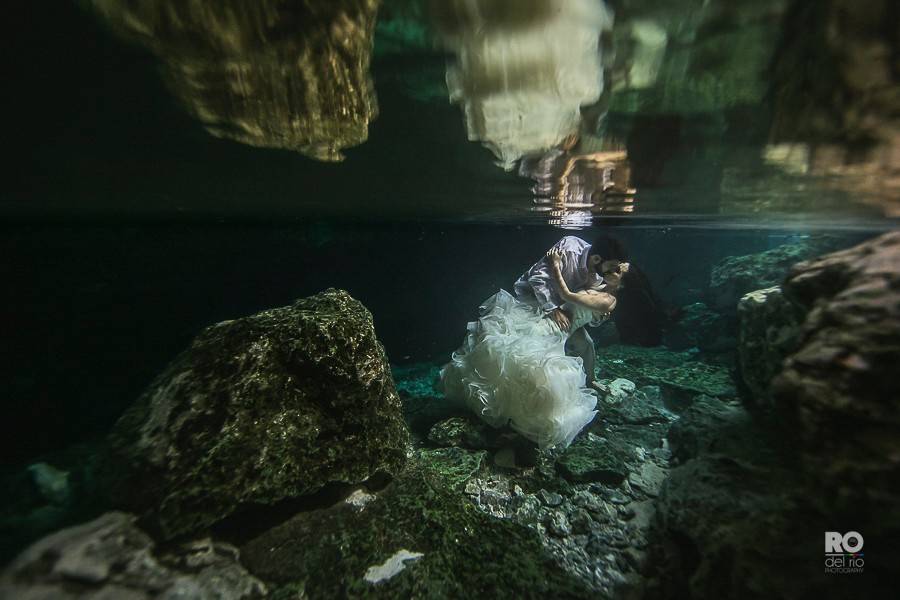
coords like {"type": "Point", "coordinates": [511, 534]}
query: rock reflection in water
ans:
{"type": "Point", "coordinates": [523, 70]}
{"type": "Point", "coordinates": [836, 94]}
{"type": "Point", "coordinates": [290, 74]}
{"type": "Point", "coordinates": [584, 176]}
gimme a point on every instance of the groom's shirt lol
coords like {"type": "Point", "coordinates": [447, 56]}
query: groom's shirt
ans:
{"type": "Point", "coordinates": [537, 283]}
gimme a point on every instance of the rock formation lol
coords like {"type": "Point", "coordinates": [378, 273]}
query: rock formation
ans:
{"type": "Point", "coordinates": [110, 557]}
{"type": "Point", "coordinates": [768, 328]}
{"type": "Point", "coordinates": [292, 75]}
{"type": "Point", "coordinates": [840, 388]}
{"type": "Point", "coordinates": [734, 276]}
{"type": "Point", "coordinates": [744, 513]}
{"type": "Point", "coordinates": [451, 547]}
{"type": "Point", "coordinates": [259, 409]}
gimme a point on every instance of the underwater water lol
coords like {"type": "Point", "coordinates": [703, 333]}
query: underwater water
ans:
{"type": "Point", "coordinates": [240, 242]}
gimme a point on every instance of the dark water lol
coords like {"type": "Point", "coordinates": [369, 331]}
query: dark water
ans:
{"type": "Point", "coordinates": [125, 228]}
{"type": "Point", "coordinates": [99, 310]}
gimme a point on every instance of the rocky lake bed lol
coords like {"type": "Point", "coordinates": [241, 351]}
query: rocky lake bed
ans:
{"type": "Point", "coordinates": [281, 456]}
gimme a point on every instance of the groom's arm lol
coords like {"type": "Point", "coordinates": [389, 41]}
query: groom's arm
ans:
{"type": "Point", "coordinates": [542, 280]}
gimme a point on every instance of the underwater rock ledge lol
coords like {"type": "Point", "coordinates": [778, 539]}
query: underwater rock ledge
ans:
{"type": "Point", "coordinates": [742, 516]}
{"type": "Point", "coordinates": [257, 410]}
{"type": "Point", "coordinates": [110, 557]}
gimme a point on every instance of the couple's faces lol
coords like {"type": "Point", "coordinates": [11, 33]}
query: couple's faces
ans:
{"type": "Point", "coordinates": [604, 267]}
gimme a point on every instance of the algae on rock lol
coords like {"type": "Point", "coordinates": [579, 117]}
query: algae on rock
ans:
{"type": "Point", "coordinates": [678, 371]}
{"type": "Point", "coordinates": [768, 330]}
{"type": "Point", "coordinates": [259, 409]}
{"type": "Point", "coordinates": [421, 511]}
{"type": "Point", "coordinates": [110, 557]}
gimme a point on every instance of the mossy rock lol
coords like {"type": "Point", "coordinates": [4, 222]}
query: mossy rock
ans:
{"type": "Point", "coordinates": [259, 409]}
{"type": "Point", "coordinates": [679, 371]}
{"type": "Point", "coordinates": [327, 553]}
{"type": "Point", "coordinates": [592, 458]}
{"type": "Point", "coordinates": [463, 432]}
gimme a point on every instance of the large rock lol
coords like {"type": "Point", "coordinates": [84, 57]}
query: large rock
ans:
{"type": "Point", "coordinates": [592, 458]}
{"type": "Point", "coordinates": [420, 537]}
{"type": "Point", "coordinates": [734, 276]}
{"type": "Point", "coordinates": [840, 388]}
{"type": "Point", "coordinates": [727, 535]}
{"type": "Point", "coordinates": [260, 409]}
{"type": "Point", "coordinates": [710, 425]}
{"type": "Point", "coordinates": [702, 328]}
{"type": "Point", "coordinates": [111, 557]}
{"type": "Point", "coordinates": [768, 330]}
{"type": "Point", "coordinates": [675, 372]}
{"type": "Point", "coordinates": [743, 515]}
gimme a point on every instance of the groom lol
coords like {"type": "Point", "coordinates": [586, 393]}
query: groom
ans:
{"type": "Point", "coordinates": [582, 266]}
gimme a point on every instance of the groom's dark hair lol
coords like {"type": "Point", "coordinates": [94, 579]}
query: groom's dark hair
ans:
{"type": "Point", "coordinates": [609, 248]}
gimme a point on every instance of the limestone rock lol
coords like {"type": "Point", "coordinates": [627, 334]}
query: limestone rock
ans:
{"type": "Point", "coordinates": [592, 458]}
{"type": "Point", "coordinates": [840, 387]}
{"type": "Point", "coordinates": [736, 518]}
{"type": "Point", "coordinates": [326, 553]}
{"type": "Point", "coordinates": [710, 425]}
{"type": "Point", "coordinates": [462, 432]}
{"type": "Point", "coordinates": [52, 483]}
{"type": "Point", "coordinates": [768, 329]}
{"type": "Point", "coordinates": [260, 409]}
{"type": "Point", "coordinates": [702, 328]}
{"type": "Point", "coordinates": [681, 372]}
{"type": "Point", "coordinates": [641, 407]}
{"type": "Point", "coordinates": [734, 276]}
{"type": "Point", "coordinates": [723, 527]}
{"type": "Point", "coordinates": [111, 557]}
{"type": "Point", "coordinates": [836, 95]}
{"type": "Point", "coordinates": [621, 388]}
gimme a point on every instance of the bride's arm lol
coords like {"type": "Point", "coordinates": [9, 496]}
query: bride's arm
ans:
{"type": "Point", "coordinates": [597, 301]}
{"type": "Point", "coordinates": [554, 257]}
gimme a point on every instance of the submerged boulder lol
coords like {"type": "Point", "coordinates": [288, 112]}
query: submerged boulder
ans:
{"type": "Point", "coordinates": [721, 526]}
{"type": "Point", "coordinates": [110, 557]}
{"type": "Point", "coordinates": [710, 425]}
{"type": "Point", "coordinates": [592, 458]}
{"type": "Point", "coordinates": [702, 328]}
{"type": "Point", "coordinates": [734, 276]}
{"type": "Point", "coordinates": [259, 409]}
{"type": "Point", "coordinates": [678, 372]}
{"type": "Point", "coordinates": [419, 537]}
{"type": "Point", "coordinates": [768, 330]}
{"type": "Point", "coordinates": [840, 388]}
{"type": "Point", "coordinates": [464, 432]}
{"type": "Point", "coordinates": [742, 515]}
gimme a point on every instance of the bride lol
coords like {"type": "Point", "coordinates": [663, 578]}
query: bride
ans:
{"type": "Point", "coordinates": [512, 367]}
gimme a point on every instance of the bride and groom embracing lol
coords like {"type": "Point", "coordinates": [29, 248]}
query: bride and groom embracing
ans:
{"type": "Point", "coordinates": [528, 361]}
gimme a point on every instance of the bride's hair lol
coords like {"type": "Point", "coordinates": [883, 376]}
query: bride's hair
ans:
{"type": "Point", "coordinates": [603, 286]}
{"type": "Point", "coordinates": [609, 248]}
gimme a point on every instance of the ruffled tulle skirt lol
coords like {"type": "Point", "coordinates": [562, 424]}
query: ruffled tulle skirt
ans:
{"type": "Point", "coordinates": [512, 369]}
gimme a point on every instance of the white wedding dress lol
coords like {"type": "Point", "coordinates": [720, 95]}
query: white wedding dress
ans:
{"type": "Point", "coordinates": [512, 369]}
